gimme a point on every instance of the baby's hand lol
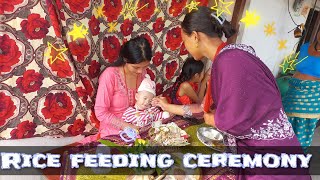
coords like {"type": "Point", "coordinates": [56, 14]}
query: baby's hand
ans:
{"type": "Point", "coordinates": [160, 102]}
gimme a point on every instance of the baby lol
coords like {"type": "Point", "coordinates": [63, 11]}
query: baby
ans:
{"type": "Point", "coordinates": [142, 114]}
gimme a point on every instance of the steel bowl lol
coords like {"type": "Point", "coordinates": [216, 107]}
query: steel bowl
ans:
{"type": "Point", "coordinates": [209, 136]}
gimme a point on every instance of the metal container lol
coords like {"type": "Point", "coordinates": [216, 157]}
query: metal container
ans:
{"type": "Point", "coordinates": [210, 137]}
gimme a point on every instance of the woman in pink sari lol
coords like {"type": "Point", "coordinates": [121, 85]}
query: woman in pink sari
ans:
{"type": "Point", "coordinates": [118, 85]}
{"type": "Point", "coordinates": [247, 105]}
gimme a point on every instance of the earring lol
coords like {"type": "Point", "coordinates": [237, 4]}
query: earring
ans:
{"type": "Point", "coordinates": [197, 45]}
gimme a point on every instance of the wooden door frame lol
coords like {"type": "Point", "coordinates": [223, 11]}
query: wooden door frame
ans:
{"type": "Point", "coordinates": [236, 17]}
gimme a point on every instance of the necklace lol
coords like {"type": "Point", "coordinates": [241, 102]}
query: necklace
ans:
{"type": "Point", "coordinates": [315, 47]}
{"type": "Point", "coordinates": [125, 82]}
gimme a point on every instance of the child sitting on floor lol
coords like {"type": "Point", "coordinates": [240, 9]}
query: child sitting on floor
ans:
{"type": "Point", "coordinates": [190, 86]}
{"type": "Point", "coordinates": [142, 114]}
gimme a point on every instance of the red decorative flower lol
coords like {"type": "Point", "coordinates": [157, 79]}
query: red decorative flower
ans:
{"type": "Point", "coordinates": [94, 69]}
{"type": "Point", "coordinates": [8, 5]}
{"type": "Point", "coordinates": [173, 39]}
{"type": "Point", "coordinates": [9, 55]}
{"type": "Point", "coordinates": [146, 11]}
{"type": "Point", "coordinates": [25, 129]}
{"type": "Point", "coordinates": [183, 50]}
{"type": "Point", "coordinates": [57, 107]}
{"type": "Point", "coordinates": [111, 48]}
{"type": "Point", "coordinates": [31, 81]}
{"type": "Point", "coordinates": [54, 18]}
{"type": "Point", "coordinates": [112, 9]}
{"type": "Point", "coordinates": [94, 119]}
{"type": "Point", "coordinates": [35, 27]}
{"type": "Point", "coordinates": [177, 7]}
{"type": "Point", "coordinates": [159, 89]}
{"type": "Point", "coordinates": [7, 108]}
{"type": "Point", "coordinates": [82, 93]}
{"type": "Point", "coordinates": [62, 68]}
{"type": "Point", "coordinates": [60, 8]}
{"type": "Point", "coordinates": [147, 36]}
{"type": "Point", "coordinates": [151, 74]}
{"type": "Point", "coordinates": [171, 69]}
{"type": "Point", "coordinates": [94, 26]}
{"type": "Point", "coordinates": [157, 58]}
{"type": "Point", "coordinates": [79, 48]}
{"type": "Point", "coordinates": [77, 5]}
{"type": "Point", "coordinates": [126, 27]}
{"type": "Point", "coordinates": [158, 25]}
{"type": "Point", "coordinates": [77, 127]}
{"type": "Point", "coordinates": [87, 85]}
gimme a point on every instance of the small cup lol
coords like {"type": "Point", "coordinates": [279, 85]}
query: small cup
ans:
{"type": "Point", "coordinates": [131, 134]}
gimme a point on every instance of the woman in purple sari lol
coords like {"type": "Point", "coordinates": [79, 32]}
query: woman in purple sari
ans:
{"type": "Point", "coordinates": [246, 105]}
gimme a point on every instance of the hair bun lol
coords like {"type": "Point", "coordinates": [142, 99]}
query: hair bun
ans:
{"type": "Point", "coordinates": [228, 29]}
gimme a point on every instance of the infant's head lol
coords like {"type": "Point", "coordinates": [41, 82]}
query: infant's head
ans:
{"type": "Point", "coordinates": [146, 92]}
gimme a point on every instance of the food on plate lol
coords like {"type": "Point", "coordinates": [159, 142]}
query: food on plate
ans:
{"type": "Point", "coordinates": [168, 135]}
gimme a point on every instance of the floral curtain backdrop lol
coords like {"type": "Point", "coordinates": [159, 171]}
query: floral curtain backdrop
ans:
{"type": "Point", "coordinates": [52, 52]}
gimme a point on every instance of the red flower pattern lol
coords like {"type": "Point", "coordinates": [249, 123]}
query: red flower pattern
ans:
{"type": "Point", "coordinates": [31, 81]}
{"type": "Point", "coordinates": [8, 5]}
{"type": "Point", "coordinates": [147, 11]}
{"type": "Point", "coordinates": [94, 69]}
{"type": "Point", "coordinates": [183, 50]}
{"type": "Point", "coordinates": [60, 7]}
{"type": "Point", "coordinates": [173, 39]}
{"type": "Point", "coordinates": [62, 68]}
{"type": "Point", "coordinates": [148, 37]}
{"type": "Point", "coordinates": [35, 27]}
{"type": "Point", "coordinates": [158, 25]}
{"type": "Point", "coordinates": [82, 93]}
{"type": "Point", "coordinates": [25, 129]}
{"type": "Point", "coordinates": [171, 69]}
{"type": "Point", "coordinates": [77, 5]}
{"type": "Point", "coordinates": [159, 89]}
{"type": "Point", "coordinates": [126, 27]}
{"type": "Point", "coordinates": [177, 7]}
{"type": "Point", "coordinates": [87, 85]}
{"type": "Point", "coordinates": [9, 53]}
{"type": "Point", "coordinates": [94, 26]}
{"type": "Point", "coordinates": [111, 48]}
{"type": "Point", "coordinates": [157, 58]}
{"type": "Point", "coordinates": [112, 9]}
{"type": "Point", "coordinates": [151, 74]}
{"type": "Point", "coordinates": [79, 48]}
{"type": "Point", "coordinates": [7, 108]}
{"type": "Point", "coordinates": [77, 127]}
{"type": "Point", "coordinates": [54, 18]}
{"type": "Point", "coordinates": [94, 120]}
{"type": "Point", "coordinates": [57, 107]}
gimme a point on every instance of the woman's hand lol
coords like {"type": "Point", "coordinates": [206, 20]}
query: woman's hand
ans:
{"type": "Point", "coordinates": [209, 119]}
{"type": "Point", "coordinates": [206, 76]}
{"type": "Point", "coordinates": [160, 102]}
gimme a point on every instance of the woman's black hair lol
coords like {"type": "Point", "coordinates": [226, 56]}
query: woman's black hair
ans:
{"type": "Point", "coordinates": [134, 51]}
{"type": "Point", "coordinates": [203, 20]}
{"type": "Point", "coordinates": [189, 69]}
